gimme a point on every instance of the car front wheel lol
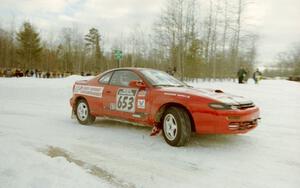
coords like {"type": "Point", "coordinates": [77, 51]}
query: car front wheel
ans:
{"type": "Point", "coordinates": [82, 112]}
{"type": "Point", "coordinates": [176, 126]}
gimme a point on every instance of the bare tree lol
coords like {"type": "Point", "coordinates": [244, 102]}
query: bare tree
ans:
{"type": "Point", "coordinates": [175, 30]}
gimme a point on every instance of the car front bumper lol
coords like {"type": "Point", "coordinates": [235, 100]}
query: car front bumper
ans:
{"type": "Point", "coordinates": [227, 121]}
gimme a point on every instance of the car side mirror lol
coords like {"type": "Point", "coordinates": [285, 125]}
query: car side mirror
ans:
{"type": "Point", "coordinates": [137, 83]}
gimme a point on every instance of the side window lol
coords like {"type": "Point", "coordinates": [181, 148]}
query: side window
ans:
{"type": "Point", "coordinates": [122, 78]}
{"type": "Point", "coordinates": [105, 78]}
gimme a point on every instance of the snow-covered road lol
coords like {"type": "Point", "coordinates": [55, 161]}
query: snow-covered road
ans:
{"type": "Point", "coordinates": [41, 146]}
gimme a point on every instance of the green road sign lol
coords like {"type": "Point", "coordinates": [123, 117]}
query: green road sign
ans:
{"type": "Point", "coordinates": [118, 54]}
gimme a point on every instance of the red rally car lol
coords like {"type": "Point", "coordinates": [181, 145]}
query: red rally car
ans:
{"type": "Point", "coordinates": [154, 98]}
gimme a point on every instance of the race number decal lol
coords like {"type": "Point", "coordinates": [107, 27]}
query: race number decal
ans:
{"type": "Point", "coordinates": [126, 100]}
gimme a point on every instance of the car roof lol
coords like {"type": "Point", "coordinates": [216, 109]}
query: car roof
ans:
{"type": "Point", "coordinates": [123, 68]}
{"type": "Point", "coordinates": [130, 68]}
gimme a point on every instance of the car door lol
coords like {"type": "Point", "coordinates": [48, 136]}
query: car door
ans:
{"type": "Point", "coordinates": [103, 82]}
{"type": "Point", "coordinates": [121, 100]}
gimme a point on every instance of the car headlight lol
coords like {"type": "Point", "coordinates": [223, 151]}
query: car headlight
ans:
{"type": "Point", "coordinates": [222, 106]}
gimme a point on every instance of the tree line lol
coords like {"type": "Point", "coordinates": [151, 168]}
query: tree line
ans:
{"type": "Point", "coordinates": [189, 37]}
{"type": "Point", "coordinates": [288, 63]}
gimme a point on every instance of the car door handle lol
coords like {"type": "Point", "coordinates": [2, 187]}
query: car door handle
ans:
{"type": "Point", "coordinates": [108, 92]}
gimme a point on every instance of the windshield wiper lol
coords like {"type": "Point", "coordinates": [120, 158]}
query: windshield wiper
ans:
{"type": "Point", "coordinates": [169, 85]}
{"type": "Point", "coordinates": [164, 85]}
{"type": "Point", "coordinates": [185, 86]}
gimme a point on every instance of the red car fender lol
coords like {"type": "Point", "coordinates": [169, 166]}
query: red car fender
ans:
{"type": "Point", "coordinates": [160, 100]}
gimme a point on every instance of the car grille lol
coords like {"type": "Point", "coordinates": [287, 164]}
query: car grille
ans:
{"type": "Point", "coordinates": [245, 106]}
{"type": "Point", "coordinates": [242, 125]}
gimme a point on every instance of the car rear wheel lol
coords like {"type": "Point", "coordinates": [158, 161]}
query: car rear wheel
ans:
{"type": "Point", "coordinates": [176, 126]}
{"type": "Point", "coordinates": [82, 112]}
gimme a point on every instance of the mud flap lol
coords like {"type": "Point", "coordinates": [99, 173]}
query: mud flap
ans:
{"type": "Point", "coordinates": [156, 130]}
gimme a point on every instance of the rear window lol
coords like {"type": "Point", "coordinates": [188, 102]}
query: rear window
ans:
{"type": "Point", "coordinates": [105, 78]}
{"type": "Point", "coordinates": [123, 78]}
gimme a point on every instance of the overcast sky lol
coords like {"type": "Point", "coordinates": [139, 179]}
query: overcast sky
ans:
{"type": "Point", "coordinates": [276, 21]}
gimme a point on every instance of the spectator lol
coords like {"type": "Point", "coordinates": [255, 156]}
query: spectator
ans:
{"type": "Point", "coordinates": [26, 72]}
{"type": "Point", "coordinates": [242, 74]}
{"type": "Point", "coordinates": [17, 73]}
{"type": "Point", "coordinates": [171, 71]}
{"type": "Point", "coordinates": [1, 72]}
{"type": "Point", "coordinates": [257, 76]}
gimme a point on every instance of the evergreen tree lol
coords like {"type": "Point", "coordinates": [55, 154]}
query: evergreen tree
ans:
{"type": "Point", "coordinates": [93, 44]}
{"type": "Point", "coordinates": [29, 49]}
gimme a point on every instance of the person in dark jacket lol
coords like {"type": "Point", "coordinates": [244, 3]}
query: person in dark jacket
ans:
{"type": "Point", "coordinates": [257, 76]}
{"type": "Point", "coordinates": [27, 73]}
{"type": "Point", "coordinates": [242, 74]}
{"type": "Point", "coordinates": [48, 74]}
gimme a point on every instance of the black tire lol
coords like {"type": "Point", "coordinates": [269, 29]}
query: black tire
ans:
{"type": "Point", "coordinates": [87, 118]}
{"type": "Point", "coordinates": [183, 124]}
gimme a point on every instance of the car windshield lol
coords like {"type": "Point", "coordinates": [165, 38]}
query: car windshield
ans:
{"type": "Point", "coordinates": [160, 78]}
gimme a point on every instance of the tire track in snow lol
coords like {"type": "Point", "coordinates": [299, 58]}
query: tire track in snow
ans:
{"type": "Point", "coordinates": [92, 169]}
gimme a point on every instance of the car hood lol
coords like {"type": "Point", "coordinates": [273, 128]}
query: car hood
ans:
{"type": "Point", "coordinates": [214, 94]}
